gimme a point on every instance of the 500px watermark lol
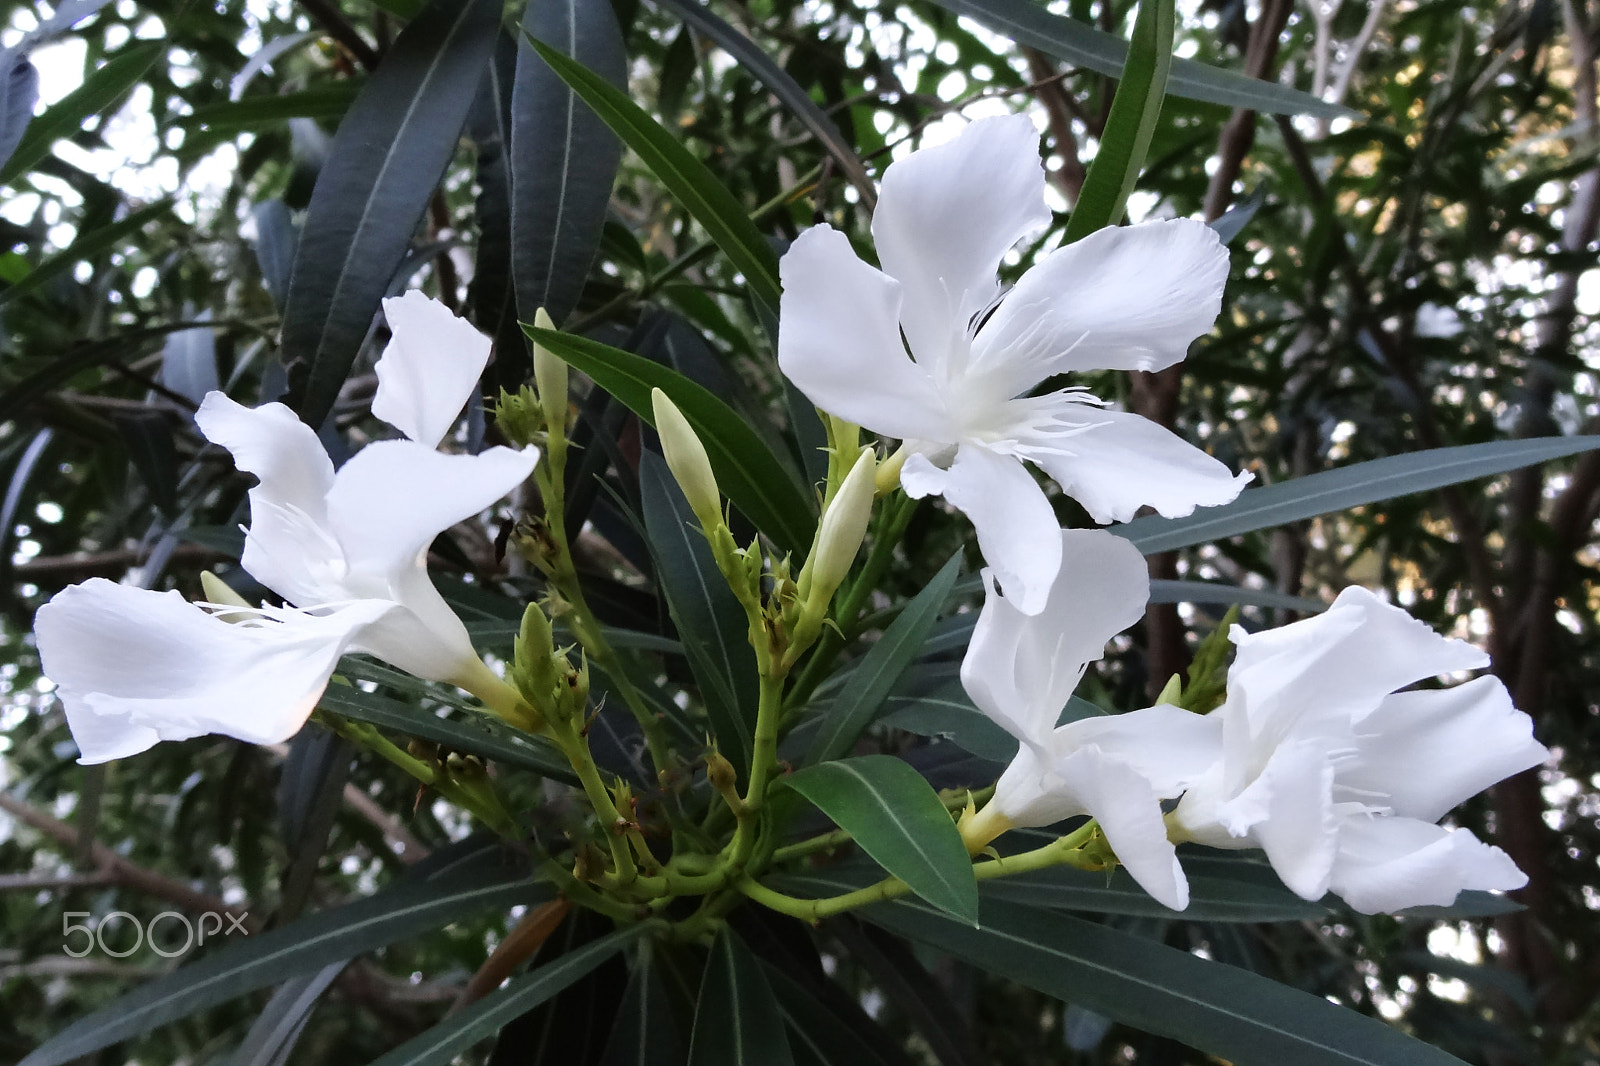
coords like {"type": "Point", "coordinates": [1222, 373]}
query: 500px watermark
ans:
{"type": "Point", "coordinates": [193, 932]}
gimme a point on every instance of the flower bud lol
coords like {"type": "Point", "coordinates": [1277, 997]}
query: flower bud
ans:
{"type": "Point", "coordinates": [533, 659]}
{"type": "Point", "coordinates": [550, 375]}
{"type": "Point", "coordinates": [518, 417]}
{"type": "Point", "coordinates": [686, 457]}
{"type": "Point", "coordinates": [843, 528]}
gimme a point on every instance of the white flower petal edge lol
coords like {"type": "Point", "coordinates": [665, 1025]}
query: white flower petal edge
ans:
{"type": "Point", "coordinates": [1338, 778]}
{"type": "Point", "coordinates": [1020, 670]}
{"type": "Point", "coordinates": [134, 667]}
{"type": "Point", "coordinates": [1125, 297]}
{"type": "Point", "coordinates": [429, 369]}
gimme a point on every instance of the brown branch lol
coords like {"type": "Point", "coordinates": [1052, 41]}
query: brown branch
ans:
{"type": "Point", "coordinates": [120, 872]}
{"type": "Point", "coordinates": [1059, 109]}
{"type": "Point", "coordinates": [48, 569]}
{"type": "Point", "coordinates": [335, 25]}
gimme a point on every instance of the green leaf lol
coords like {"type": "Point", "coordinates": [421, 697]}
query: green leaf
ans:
{"type": "Point", "coordinates": [411, 908]}
{"type": "Point", "coordinates": [750, 57]}
{"type": "Point", "coordinates": [88, 246]}
{"type": "Point", "coordinates": [19, 91]}
{"type": "Point", "coordinates": [747, 471]}
{"type": "Point", "coordinates": [384, 163]}
{"type": "Point", "coordinates": [871, 681]}
{"type": "Point", "coordinates": [736, 1019]}
{"type": "Point", "coordinates": [460, 1031]}
{"type": "Point", "coordinates": [1030, 25]}
{"type": "Point", "coordinates": [896, 817]}
{"type": "Point", "coordinates": [485, 739]}
{"type": "Point", "coordinates": [1224, 1011]}
{"type": "Point", "coordinates": [689, 181]}
{"type": "Point", "coordinates": [563, 158]}
{"type": "Point", "coordinates": [1350, 486]}
{"type": "Point", "coordinates": [66, 116]}
{"type": "Point", "coordinates": [1130, 125]}
{"type": "Point", "coordinates": [646, 1032]}
{"type": "Point", "coordinates": [328, 103]}
{"type": "Point", "coordinates": [1210, 899]}
{"type": "Point", "coordinates": [948, 712]}
{"type": "Point", "coordinates": [1165, 591]}
{"type": "Point", "coordinates": [711, 623]}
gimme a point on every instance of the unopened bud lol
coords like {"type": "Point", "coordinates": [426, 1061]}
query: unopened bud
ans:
{"type": "Point", "coordinates": [550, 375]}
{"type": "Point", "coordinates": [843, 528]}
{"type": "Point", "coordinates": [720, 772]}
{"type": "Point", "coordinates": [533, 658]}
{"type": "Point", "coordinates": [219, 592]}
{"type": "Point", "coordinates": [686, 457]}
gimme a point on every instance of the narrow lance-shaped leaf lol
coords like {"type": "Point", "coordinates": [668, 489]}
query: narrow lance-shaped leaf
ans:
{"type": "Point", "coordinates": [1227, 1012]}
{"type": "Point", "coordinates": [1030, 24]}
{"type": "Point", "coordinates": [892, 812]}
{"type": "Point", "coordinates": [689, 180]}
{"type": "Point", "coordinates": [1349, 486]}
{"type": "Point", "coordinates": [747, 471]}
{"type": "Point", "coordinates": [384, 164]}
{"type": "Point", "coordinates": [736, 1019]}
{"type": "Point", "coordinates": [407, 910]}
{"type": "Point", "coordinates": [1131, 124]}
{"type": "Point", "coordinates": [711, 623]}
{"type": "Point", "coordinates": [750, 56]}
{"type": "Point", "coordinates": [871, 681]}
{"type": "Point", "coordinates": [19, 91]}
{"type": "Point", "coordinates": [66, 116]}
{"type": "Point", "coordinates": [445, 1041]}
{"type": "Point", "coordinates": [88, 246]}
{"type": "Point", "coordinates": [563, 158]}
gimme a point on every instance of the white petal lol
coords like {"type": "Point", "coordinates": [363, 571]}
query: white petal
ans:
{"type": "Point", "coordinates": [1122, 298]}
{"type": "Point", "coordinates": [1288, 810]}
{"type": "Point", "coordinates": [839, 341]}
{"type": "Point", "coordinates": [1421, 753]}
{"type": "Point", "coordinates": [387, 505]}
{"type": "Point", "coordinates": [1016, 526]}
{"type": "Point", "coordinates": [1170, 747]}
{"type": "Point", "coordinates": [134, 666]}
{"type": "Point", "coordinates": [1388, 864]}
{"type": "Point", "coordinates": [1020, 669]}
{"type": "Point", "coordinates": [1128, 809]}
{"type": "Point", "coordinates": [945, 218]}
{"type": "Point", "coordinates": [1341, 663]}
{"type": "Point", "coordinates": [1123, 462]}
{"type": "Point", "coordinates": [429, 369]}
{"type": "Point", "coordinates": [288, 547]}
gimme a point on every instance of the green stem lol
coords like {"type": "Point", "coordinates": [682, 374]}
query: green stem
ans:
{"type": "Point", "coordinates": [576, 749]}
{"type": "Point", "coordinates": [1064, 851]}
{"type": "Point", "coordinates": [763, 761]}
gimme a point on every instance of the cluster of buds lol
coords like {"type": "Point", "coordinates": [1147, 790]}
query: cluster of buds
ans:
{"type": "Point", "coordinates": [526, 416]}
{"type": "Point", "coordinates": [555, 689]}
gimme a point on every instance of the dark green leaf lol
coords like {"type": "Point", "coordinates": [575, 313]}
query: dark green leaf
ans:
{"type": "Point", "coordinates": [747, 471]}
{"type": "Point", "coordinates": [1164, 591]}
{"type": "Point", "coordinates": [563, 158]}
{"type": "Point", "coordinates": [646, 1031]}
{"type": "Point", "coordinates": [949, 712]}
{"type": "Point", "coordinates": [736, 1020]}
{"type": "Point", "coordinates": [272, 1037]}
{"type": "Point", "coordinates": [1231, 1013]}
{"type": "Point", "coordinates": [711, 623]}
{"type": "Point", "coordinates": [1350, 486]}
{"type": "Point", "coordinates": [88, 246]}
{"type": "Point", "coordinates": [385, 161]}
{"type": "Point", "coordinates": [409, 909]}
{"type": "Point", "coordinates": [1031, 25]}
{"type": "Point", "coordinates": [327, 103]}
{"type": "Point", "coordinates": [456, 1034]}
{"type": "Point", "coordinates": [66, 116]}
{"type": "Point", "coordinates": [750, 56]}
{"type": "Point", "coordinates": [147, 436]}
{"type": "Point", "coordinates": [871, 681]}
{"type": "Point", "coordinates": [896, 817]}
{"type": "Point", "coordinates": [19, 90]}
{"type": "Point", "coordinates": [1130, 125]}
{"type": "Point", "coordinates": [485, 739]}
{"type": "Point", "coordinates": [688, 179]}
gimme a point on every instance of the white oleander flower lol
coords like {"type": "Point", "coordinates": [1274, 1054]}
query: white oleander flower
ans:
{"type": "Point", "coordinates": [1124, 298]}
{"type": "Point", "coordinates": [1020, 670]}
{"type": "Point", "coordinates": [346, 549]}
{"type": "Point", "coordinates": [1339, 778]}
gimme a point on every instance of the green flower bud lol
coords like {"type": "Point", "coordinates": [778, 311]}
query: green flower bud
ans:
{"type": "Point", "coordinates": [686, 457]}
{"type": "Point", "coordinates": [519, 417]}
{"type": "Point", "coordinates": [533, 666]}
{"type": "Point", "coordinates": [843, 528]}
{"type": "Point", "coordinates": [550, 375]}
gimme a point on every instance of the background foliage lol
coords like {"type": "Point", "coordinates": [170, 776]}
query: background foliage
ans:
{"type": "Point", "coordinates": [1409, 277]}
